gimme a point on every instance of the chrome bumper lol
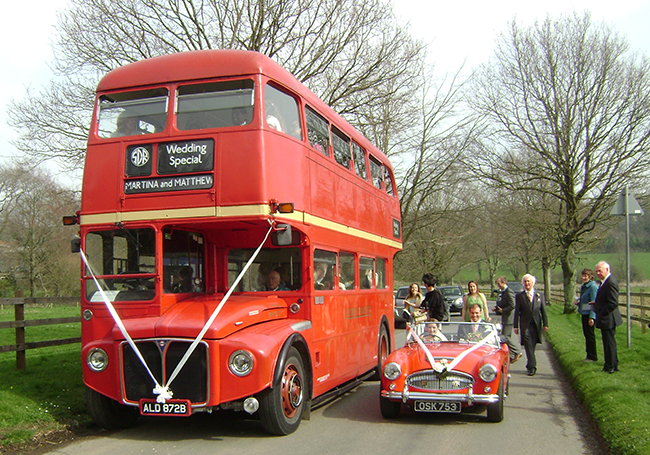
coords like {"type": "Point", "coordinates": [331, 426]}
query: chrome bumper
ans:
{"type": "Point", "coordinates": [470, 398]}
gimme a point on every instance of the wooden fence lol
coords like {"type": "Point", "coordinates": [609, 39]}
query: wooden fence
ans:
{"type": "Point", "coordinates": [639, 305]}
{"type": "Point", "coordinates": [19, 323]}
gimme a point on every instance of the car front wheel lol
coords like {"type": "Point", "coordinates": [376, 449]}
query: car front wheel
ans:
{"type": "Point", "coordinates": [389, 409]}
{"type": "Point", "coordinates": [495, 410]}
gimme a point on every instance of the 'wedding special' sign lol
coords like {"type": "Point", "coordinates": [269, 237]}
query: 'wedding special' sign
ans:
{"type": "Point", "coordinates": [184, 157]}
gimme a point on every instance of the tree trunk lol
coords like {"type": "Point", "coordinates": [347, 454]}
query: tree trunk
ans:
{"type": "Point", "coordinates": [546, 272]}
{"type": "Point", "coordinates": [568, 270]}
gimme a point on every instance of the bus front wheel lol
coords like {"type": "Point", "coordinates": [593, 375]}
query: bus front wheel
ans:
{"type": "Point", "coordinates": [108, 413]}
{"type": "Point", "coordinates": [281, 408]}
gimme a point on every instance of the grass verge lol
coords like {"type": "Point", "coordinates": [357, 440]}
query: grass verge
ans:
{"type": "Point", "coordinates": [45, 399]}
{"type": "Point", "coordinates": [619, 403]}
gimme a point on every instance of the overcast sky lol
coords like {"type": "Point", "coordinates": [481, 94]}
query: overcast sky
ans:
{"type": "Point", "coordinates": [455, 32]}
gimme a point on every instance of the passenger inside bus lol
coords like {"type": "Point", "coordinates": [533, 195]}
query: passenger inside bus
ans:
{"type": "Point", "coordinates": [183, 280]}
{"type": "Point", "coordinates": [320, 272]}
{"type": "Point", "coordinates": [239, 116]}
{"type": "Point", "coordinates": [127, 125]}
{"type": "Point", "coordinates": [273, 116]}
{"type": "Point", "coordinates": [274, 282]}
{"type": "Point", "coordinates": [346, 278]}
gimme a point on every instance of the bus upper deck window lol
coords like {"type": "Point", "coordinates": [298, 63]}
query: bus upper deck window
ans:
{"type": "Point", "coordinates": [341, 147]}
{"type": "Point", "coordinates": [132, 113]}
{"type": "Point", "coordinates": [317, 131]}
{"type": "Point", "coordinates": [376, 172]}
{"type": "Point", "coordinates": [359, 161]}
{"type": "Point", "coordinates": [388, 181]}
{"type": "Point", "coordinates": [281, 112]}
{"type": "Point", "coordinates": [215, 104]}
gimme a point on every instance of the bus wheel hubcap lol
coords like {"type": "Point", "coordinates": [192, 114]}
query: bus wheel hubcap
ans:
{"type": "Point", "coordinates": [291, 391]}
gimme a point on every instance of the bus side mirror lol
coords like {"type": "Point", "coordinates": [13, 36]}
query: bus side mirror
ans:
{"type": "Point", "coordinates": [75, 245]}
{"type": "Point", "coordinates": [285, 236]}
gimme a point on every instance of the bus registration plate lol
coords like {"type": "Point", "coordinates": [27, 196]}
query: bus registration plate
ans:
{"type": "Point", "coordinates": [169, 408]}
{"type": "Point", "coordinates": [437, 406]}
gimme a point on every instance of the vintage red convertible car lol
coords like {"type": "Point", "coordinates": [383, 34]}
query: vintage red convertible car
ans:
{"type": "Point", "coordinates": [447, 367]}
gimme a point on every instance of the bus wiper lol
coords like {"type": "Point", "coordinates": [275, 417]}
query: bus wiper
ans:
{"type": "Point", "coordinates": [129, 235]}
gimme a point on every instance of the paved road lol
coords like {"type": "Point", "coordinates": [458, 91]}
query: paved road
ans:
{"type": "Point", "coordinates": [541, 417]}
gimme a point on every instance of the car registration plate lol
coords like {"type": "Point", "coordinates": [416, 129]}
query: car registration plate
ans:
{"type": "Point", "coordinates": [169, 408]}
{"type": "Point", "coordinates": [437, 406]}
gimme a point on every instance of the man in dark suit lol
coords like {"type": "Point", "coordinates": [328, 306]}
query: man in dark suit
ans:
{"type": "Point", "coordinates": [530, 318]}
{"type": "Point", "coordinates": [505, 307]}
{"type": "Point", "coordinates": [608, 317]}
{"type": "Point", "coordinates": [475, 331]}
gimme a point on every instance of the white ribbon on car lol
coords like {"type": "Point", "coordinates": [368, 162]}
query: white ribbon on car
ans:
{"type": "Point", "coordinates": [439, 367]}
{"type": "Point", "coordinates": [163, 392]}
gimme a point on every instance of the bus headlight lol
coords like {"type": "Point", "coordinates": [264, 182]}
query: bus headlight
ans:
{"type": "Point", "coordinates": [97, 360]}
{"type": "Point", "coordinates": [392, 371]}
{"type": "Point", "coordinates": [241, 363]}
{"type": "Point", "coordinates": [488, 372]}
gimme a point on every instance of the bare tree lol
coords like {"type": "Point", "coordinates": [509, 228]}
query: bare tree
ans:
{"type": "Point", "coordinates": [40, 243]}
{"type": "Point", "coordinates": [432, 191]}
{"type": "Point", "coordinates": [352, 54]}
{"type": "Point", "coordinates": [565, 96]}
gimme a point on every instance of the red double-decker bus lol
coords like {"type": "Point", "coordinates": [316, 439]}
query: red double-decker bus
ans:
{"type": "Point", "coordinates": [238, 239]}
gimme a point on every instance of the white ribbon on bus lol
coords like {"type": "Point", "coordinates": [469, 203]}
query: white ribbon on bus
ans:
{"type": "Point", "coordinates": [439, 367]}
{"type": "Point", "coordinates": [163, 392]}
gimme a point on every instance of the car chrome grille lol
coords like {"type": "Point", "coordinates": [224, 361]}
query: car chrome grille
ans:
{"type": "Point", "coordinates": [429, 380]}
{"type": "Point", "coordinates": [162, 356]}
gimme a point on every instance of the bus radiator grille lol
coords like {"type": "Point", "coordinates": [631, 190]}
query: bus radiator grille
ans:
{"type": "Point", "coordinates": [162, 356]}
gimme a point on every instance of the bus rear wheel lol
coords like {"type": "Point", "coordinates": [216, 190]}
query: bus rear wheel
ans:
{"type": "Point", "coordinates": [282, 408]}
{"type": "Point", "coordinates": [108, 413]}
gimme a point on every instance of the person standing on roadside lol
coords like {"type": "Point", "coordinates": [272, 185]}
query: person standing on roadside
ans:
{"type": "Point", "coordinates": [505, 307]}
{"type": "Point", "coordinates": [585, 304]}
{"type": "Point", "coordinates": [433, 301]}
{"type": "Point", "coordinates": [474, 295]}
{"type": "Point", "coordinates": [412, 301]}
{"type": "Point", "coordinates": [608, 317]}
{"type": "Point", "coordinates": [531, 319]}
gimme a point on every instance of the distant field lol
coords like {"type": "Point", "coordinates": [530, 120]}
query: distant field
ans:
{"type": "Point", "coordinates": [639, 265]}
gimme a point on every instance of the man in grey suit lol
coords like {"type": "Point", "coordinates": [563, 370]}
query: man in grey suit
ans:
{"type": "Point", "coordinates": [531, 319]}
{"type": "Point", "coordinates": [608, 317]}
{"type": "Point", "coordinates": [505, 307]}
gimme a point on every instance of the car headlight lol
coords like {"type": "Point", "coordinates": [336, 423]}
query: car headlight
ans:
{"type": "Point", "coordinates": [488, 372]}
{"type": "Point", "coordinates": [392, 371]}
{"type": "Point", "coordinates": [97, 360]}
{"type": "Point", "coordinates": [458, 301]}
{"type": "Point", "coordinates": [241, 363]}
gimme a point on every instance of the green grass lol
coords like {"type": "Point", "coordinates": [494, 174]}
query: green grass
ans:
{"type": "Point", "coordinates": [47, 396]}
{"type": "Point", "coordinates": [41, 333]}
{"type": "Point", "coordinates": [639, 265]}
{"type": "Point", "coordinates": [619, 402]}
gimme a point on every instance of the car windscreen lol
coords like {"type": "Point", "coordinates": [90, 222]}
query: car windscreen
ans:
{"type": "Point", "coordinates": [457, 332]}
{"type": "Point", "coordinates": [449, 292]}
{"type": "Point", "coordinates": [402, 293]}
